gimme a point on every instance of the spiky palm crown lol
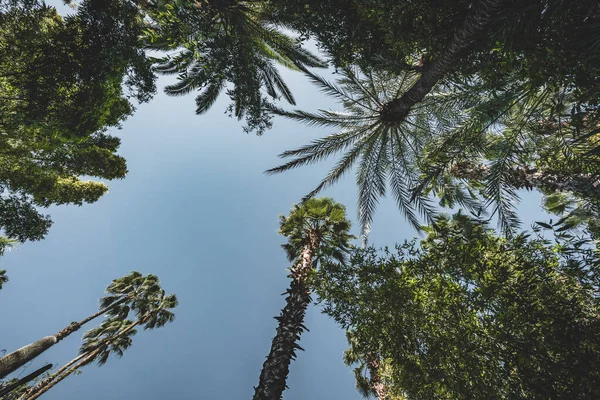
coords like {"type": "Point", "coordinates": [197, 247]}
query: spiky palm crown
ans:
{"type": "Point", "coordinates": [459, 120]}
{"type": "Point", "coordinates": [108, 339]}
{"type": "Point", "coordinates": [322, 217]}
{"type": "Point", "coordinates": [387, 151]}
{"type": "Point", "coordinates": [229, 42]}
{"type": "Point", "coordinates": [145, 298]}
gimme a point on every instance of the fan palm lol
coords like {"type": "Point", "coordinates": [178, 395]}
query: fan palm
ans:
{"type": "Point", "coordinates": [113, 336]}
{"type": "Point", "coordinates": [316, 230]}
{"type": "Point", "coordinates": [132, 291]}
{"type": "Point", "coordinates": [220, 42]}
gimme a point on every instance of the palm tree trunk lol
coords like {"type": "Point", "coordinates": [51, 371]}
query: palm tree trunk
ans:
{"type": "Point", "coordinates": [51, 381]}
{"type": "Point", "coordinates": [582, 185]}
{"type": "Point", "coordinates": [9, 388]}
{"type": "Point", "coordinates": [88, 358]}
{"type": "Point", "coordinates": [397, 110]}
{"type": "Point", "coordinates": [276, 368]}
{"type": "Point", "coordinates": [15, 360]}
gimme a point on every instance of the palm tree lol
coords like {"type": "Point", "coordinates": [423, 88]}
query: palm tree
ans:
{"type": "Point", "coordinates": [123, 294]}
{"type": "Point", "coordinates": [316, 230]}
{"type": "Point", "coordinates": [227, 41]}
{"type": "Point", "coordinates": [386, 152]}
{"type": "Point", "coordinates": [113, 336]}
{"type": "Point", "coordinates": [388, 121]}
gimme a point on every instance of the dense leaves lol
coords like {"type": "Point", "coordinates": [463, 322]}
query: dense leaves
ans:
{"type": "Point", "coordinates": [467, 314]}
{"type": "Point", "coordinates": [213, 43]}
{"type": "Point", "coordinates": [63, 82]}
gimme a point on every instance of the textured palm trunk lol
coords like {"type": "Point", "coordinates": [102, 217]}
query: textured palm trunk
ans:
{"type": "Point", "coordinates": [15, 360]}
{"type": "Point", "coordinates": [69, 368]}
{"type": "Point", "coordinates": [88, 358]}
{"type": "Point", "coordinates": [397, 110]}
{"type": "Point", "coordinates": [276, 368]}
{"type": "Point", "coordinates": [530, 178]}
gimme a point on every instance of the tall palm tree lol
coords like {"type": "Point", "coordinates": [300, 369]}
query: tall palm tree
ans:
{"type": "Point", "coordinates": [316, 229]}
{"type": "Point", "coordinates": [387, 122]}
{"type": "Point", "coordinates": [219, 42]}
{"type": "Point", "coordinates": [113, 336]}
{"type": "Point", "coordinates": [123, 294]}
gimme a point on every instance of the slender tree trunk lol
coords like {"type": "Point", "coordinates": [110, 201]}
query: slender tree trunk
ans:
{"type": "Point", "coordinates": [376, 384]}
{"type": "Point", "coordinates": [582, 185]}
{"type": "Point", "coordinates": [15, 360]}
{"type": "Point", "coordinates": [483, 13]}
{"type": "Point", "coordinates": [88, 358]}
{"type": "Point", "coordinates": [68, 369]}
{"type": "Point", "coordinates": [275, 370]}
{"type": "Point", "coordinates": [9, 388]}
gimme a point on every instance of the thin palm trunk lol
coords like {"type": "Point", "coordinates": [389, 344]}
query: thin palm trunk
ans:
{"type": "Point", "coordinates": [89, 357]}
{"type": "Point", "coordinates": [9, 388]}
{"type": "Point", "coordinates": [69, 368]}
{"type": "Point", "coordinates": [463, 39]}
{"type": "Point", "coordinates": [15, 360]}
{"type": "Point", "coordinates": [275, 370]}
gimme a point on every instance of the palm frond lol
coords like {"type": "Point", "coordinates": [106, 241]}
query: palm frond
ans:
{"type": "Point", "coordinates": [208, 96]}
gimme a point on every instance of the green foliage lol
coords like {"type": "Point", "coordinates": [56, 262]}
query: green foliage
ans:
{"type": "Point", "coordinates": [467, 314]}
{"type": "Point", "coordinates": [63, 82]}
{"type": "Point", "coordinates": [387, 152]}
{"type": "Point", "coordinates": [3, 277]}
{"type": "Point", "coordinates": [317, 218]}
{"type": "Point", "coordinates": [220, 42]}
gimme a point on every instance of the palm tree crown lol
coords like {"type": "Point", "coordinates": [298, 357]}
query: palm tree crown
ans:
{"type": "Point", "coordinates": [228, 41]}
{"type": "Point", "coordinates": [387, 150]}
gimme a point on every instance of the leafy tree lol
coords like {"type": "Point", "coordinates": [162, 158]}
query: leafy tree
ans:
{"type": "Point", "coordinates": [131, 292]}
{"type": "Point", "coordinates": [371, 375]}
{"type": "Point", "coordinates": [220, 42]}
{"type": "Point", "coordinates": [63, 82]}
{"type": "Point", "coordinates": [113, 336]}
{"type": "Point", "coordinates": [316, 230]}
{"type": "Point", "coordinates": [468, 314]}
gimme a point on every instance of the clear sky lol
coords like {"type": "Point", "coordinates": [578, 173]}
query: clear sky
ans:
{"type": "Point", "coordinates": [196, 210]}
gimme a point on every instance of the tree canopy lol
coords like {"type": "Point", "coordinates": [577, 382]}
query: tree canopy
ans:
{"type": "Point", "coordinates": [468, 314]}
{"type": "Point", "coordinates": [63, 82]}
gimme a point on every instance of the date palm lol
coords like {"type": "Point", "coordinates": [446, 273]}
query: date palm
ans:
{"type": "Point", "coordinates": [131, 291]}
{"type": "Point", "coordinates": [316, 230]}
{"type": "Point", "coordinates": [387, 122]}
{"type": "Point", "coordinates": [227, 41]}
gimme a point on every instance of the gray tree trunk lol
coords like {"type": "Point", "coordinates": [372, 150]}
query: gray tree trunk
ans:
{"type": "Point", "coordinates": [13, 361]}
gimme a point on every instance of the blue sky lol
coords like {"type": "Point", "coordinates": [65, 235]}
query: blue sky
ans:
{"type": "Point", "coordinates": [196, 210]}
